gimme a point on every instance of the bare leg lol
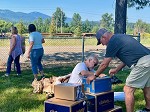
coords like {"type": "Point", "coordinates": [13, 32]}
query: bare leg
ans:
{"type": "Point", "coordinates": [146, 91]}
{"type": "Point", "coordinates": [129, 98]}
{"type": "Point", "coordinates": [35, 76]}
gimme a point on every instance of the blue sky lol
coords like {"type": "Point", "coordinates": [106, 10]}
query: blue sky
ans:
{"type": "Point", "coordinates": [88, 9]}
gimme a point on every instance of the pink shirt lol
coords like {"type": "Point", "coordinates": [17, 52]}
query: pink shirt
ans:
{"type": "Point", "coordinates": [17, 49]}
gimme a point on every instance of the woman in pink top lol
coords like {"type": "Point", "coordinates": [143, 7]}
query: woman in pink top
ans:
{"type": "Point", "coordinates": [14, 52]}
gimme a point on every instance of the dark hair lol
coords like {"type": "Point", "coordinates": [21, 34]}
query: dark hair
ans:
{"type": "Point", "coordinates": [14, 30]}
{"type": "Point", "coordinates": [31, 28]}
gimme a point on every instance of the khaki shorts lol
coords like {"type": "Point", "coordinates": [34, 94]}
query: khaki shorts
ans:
{"type": "Point", "coordinates": [139, 76]}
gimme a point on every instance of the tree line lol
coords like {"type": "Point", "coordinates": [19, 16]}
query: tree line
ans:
{"type": "Point", "coordinates": [58, 24]}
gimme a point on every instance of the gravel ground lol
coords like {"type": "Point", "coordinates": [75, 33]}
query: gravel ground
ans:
{"type": "Point", "coordinates": [58, 55]}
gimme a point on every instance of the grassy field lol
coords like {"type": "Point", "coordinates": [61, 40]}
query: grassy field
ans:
{"type": "Point", "coordinates": [57, 42]}
{"type": "Point", "coordinates": [69, 42]}
{"type": "Point", "coordinates": [16, 91]}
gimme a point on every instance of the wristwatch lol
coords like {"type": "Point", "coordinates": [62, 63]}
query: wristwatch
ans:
{"type": "Point", "coordinates": [96, 75]}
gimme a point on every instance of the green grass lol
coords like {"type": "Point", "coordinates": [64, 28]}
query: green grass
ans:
{"type": "Point", "coordinates": [69, 42]}
{"type": "Point", "coordinates": [139, 99]}
{"type": "Point", "coordinates": [16, 91]}
{"type": "Point", "coordinates": [57, 42]}
{"type": "Point", "coordinates": [145, 41]}
{"type": "Point", "coordinates": [4, 42]}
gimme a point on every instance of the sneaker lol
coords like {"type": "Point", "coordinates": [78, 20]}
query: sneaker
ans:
{"type": "Point", "coordinates": [143, 110]}
{"type": "Point", "coordinates": [5, 75]}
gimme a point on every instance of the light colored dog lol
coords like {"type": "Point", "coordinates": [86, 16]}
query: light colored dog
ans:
{"type": "Point", "coordinates": [46, 85]}
{"type": "Point", "coordinates": [37, 86]}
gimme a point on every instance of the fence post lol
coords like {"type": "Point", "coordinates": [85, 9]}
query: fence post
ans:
{"type": "Point", "coordinates": [138, 38]}
{"type": "Point", "coordinates": [82, 48]}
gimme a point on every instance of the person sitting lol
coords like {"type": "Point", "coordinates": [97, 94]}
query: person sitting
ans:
{"type": "Point", "coordinates": [82, 69]}
{"type": "Point", "coordinates": [85, 68]}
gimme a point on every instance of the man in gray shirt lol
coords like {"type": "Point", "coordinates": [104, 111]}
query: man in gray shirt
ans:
{"type": "Point", "coordinates": [134, 55]}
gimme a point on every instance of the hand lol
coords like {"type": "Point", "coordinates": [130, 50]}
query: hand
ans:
{"type": "Point", "coordinates": [90, 78]}
{"type": "Point", "coordinates": [102, 75]}
{"type": "Point", "coordinates": [9, 53]}
{"type": "Point", "coordinates": [112, 71]}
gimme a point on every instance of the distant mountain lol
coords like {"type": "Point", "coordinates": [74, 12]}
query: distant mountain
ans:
{"type": "Point", "coordinates": [11, 16]}
{"type": "Point", "coordinates": [17, 16]}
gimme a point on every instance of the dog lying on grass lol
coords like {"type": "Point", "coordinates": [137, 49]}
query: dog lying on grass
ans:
{"type": "Point", "coordinates": [46, 85]}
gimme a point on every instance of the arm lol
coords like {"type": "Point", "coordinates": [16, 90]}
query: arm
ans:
{"type": "Point", "coordinates": [86, 73]}
{"type": "Point", "coordinates": [101, 68]}
{"type": "Point", "coordinates": [13, 44]}
{"type": "Point", "coordinates": [117, 69]}
{"type": "Point", "coordinates": [30, 48]}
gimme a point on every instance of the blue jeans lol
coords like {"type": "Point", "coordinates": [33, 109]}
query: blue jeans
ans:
{"type": "Point", "coordinates": [17, 63]}
{"type": "Point", "coordinates": [36, 57]}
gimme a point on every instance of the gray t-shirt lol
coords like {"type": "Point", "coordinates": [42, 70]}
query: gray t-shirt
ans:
{"type": "Point", "coordinates": [126, 48]}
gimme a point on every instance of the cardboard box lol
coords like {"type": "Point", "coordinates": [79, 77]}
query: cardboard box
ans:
{"type": "Point", "coordinates": [98, 85]}
{"type": "Point", "coordinates": [69, 91]}
{"type": "Point", "coordinates": [100, 102]}
{"type": "Point", "coordinates": [116, 109]}
{"type": "Point", "coordinates": [58, 105]}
